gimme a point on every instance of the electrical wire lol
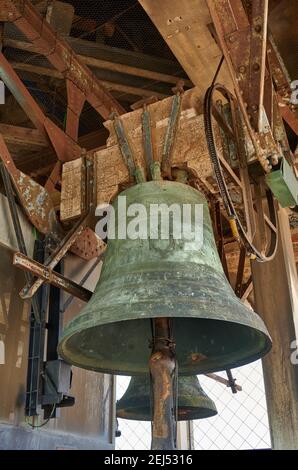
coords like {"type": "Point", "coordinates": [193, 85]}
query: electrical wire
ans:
{"type": "Point", "coordinates": [224, 192]}
{"type": "Point", "coordinates": [218, 70]}
{"type": "Point", "coordinates": [45, 422]}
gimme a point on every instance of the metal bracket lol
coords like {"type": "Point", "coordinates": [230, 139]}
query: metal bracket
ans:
{"type": "Point", "coordinates": [63, 246]}
{"type": "Point", "coordinates": [153, 166]}
{"type": "Point", "coordinates": [231, 381]}
{"type": "Point", "coordinates": [171, 134]}
{"type": "Point", "coordinates": [45, 274]}
{"type": "Point", "coordinates": [31, 288]}
{"type": "Point", "coordinates": [244, 48]}
{"type": "Point", "coordinates": [223, 381]}
{"type": "Point", "coordinates": [35, 199]}
{"type": "Point", "coordinates": [147, 140]}
{"type": "Point", "coordinates": [135, 171]}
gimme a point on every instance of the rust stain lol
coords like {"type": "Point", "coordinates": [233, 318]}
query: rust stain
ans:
{"type": "Point", "coordinates": [196, 357]}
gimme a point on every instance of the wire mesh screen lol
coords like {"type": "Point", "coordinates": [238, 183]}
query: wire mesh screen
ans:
{"type": "Point", "coordinates": [135, 435]}
{"type": "Point", "coordinates": [241, 422]}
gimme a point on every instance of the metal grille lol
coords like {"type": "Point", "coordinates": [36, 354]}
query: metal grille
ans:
{"type": "Point", "coordinates": [241, 423]}
{"type": "Point", "coordinates": [135, 435]}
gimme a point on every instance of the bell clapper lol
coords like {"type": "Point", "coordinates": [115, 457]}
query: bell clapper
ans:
{"type": "Point", "coordinates": [162, 365]}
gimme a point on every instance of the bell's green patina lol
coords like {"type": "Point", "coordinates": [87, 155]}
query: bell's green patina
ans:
{"type": "Point", "coordinates": [146, 279]}
{"type": "Point", "coordinates": [193, 403]}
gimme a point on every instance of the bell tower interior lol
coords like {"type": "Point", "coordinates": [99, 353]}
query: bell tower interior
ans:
{"type": "Point", "coordinates": [148, 226]}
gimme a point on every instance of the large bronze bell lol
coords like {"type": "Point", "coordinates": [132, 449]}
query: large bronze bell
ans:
{"type": "Point", "coordinates": [193, 403]}
{"type": "Point", "coordinates": [143, 279]}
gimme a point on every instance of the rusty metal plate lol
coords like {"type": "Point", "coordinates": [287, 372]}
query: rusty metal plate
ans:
{"type": "Point", "coordinates": [88, 245]}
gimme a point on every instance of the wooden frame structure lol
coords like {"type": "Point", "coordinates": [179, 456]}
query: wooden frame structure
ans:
{"type": "Point", "coordinates": [253, 71]}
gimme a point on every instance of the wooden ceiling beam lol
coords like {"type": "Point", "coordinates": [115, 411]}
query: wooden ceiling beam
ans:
{"type": "Point", "coordinates": [23, 136]}
{"type": "Point", "coordinates": [184, 26]}
{"type": "Point", "coordinates": [36, 29]}
{"type": "Point", "coordinates": [110, 85]}
{"type": "Point", "coordinates": [29, 159]}
{"type": "Point", "coordinates": [98, 63]}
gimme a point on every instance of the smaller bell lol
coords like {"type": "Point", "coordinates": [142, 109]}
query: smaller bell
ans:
{"type": "Point", "coordinates": [193, 403]}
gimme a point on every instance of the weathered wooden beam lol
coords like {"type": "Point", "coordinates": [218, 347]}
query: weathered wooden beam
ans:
{"type": "Point", "coordinates": [21, 94]}
{"type": "Point", "coordinates": [23, 136]}
{"type": "Point", "coordinates": [49, 276]}
{"type": "Point", "coordinates": [276, 300]}
{"type": "Point", "coordinates": [36, 29]}
{"type": "Point", "coordinates": [46, 71]}
{"type": "Point", "coordinates": [99, 63]}
{"type": "Point", "coordinates": [184, 26]}
{"type": "Point", "coordinates": [110, 168]}
{"type": "Point", "coordinates": [103, 52]}
{"type": "Point", "coordinates": [28, 158]}
{"type": "Point", "coordinates": [60, 16]}
{"type": "Point", "coordinates": [66, 148]}
{"type": "Point", "coordinates": [162, 365]}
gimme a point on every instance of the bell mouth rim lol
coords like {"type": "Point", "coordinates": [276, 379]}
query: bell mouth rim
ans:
{"type": "Point", "coordinates": [192, 414]}
{"type": "Point", "coordinates": [192, 408]}
{"type": "Point", "coordinates": [267, 345]}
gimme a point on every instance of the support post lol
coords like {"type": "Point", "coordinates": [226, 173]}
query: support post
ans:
{"type": "Point", "coordinates": [276, 300]}
{"type": "Point", "coordinates": [162, 365]}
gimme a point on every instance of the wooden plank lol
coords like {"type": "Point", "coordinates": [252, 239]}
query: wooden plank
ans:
{"type": "Point", "coordinates": [190, 151]}
{"type": "Point", "coordinates": [60, 16]}
{"type": "Point", "coordinates": [276, 300]}
{"type": "Point", "coordinates": [127, 69]}
{"type": "Point", "coordinates": [72, 194]}
{"type": "Point", "coordinates": [184, 26]}
{"type": "Point", "coordinates": [23, 136]}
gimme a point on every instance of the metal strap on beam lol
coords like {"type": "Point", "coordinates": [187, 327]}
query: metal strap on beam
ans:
{"type": "Point", "coordinates": [135, 171]}
{"type": "Point", "coordinates": [171, 134]}
{"type": "Point", "coordinates": [51, 277]}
